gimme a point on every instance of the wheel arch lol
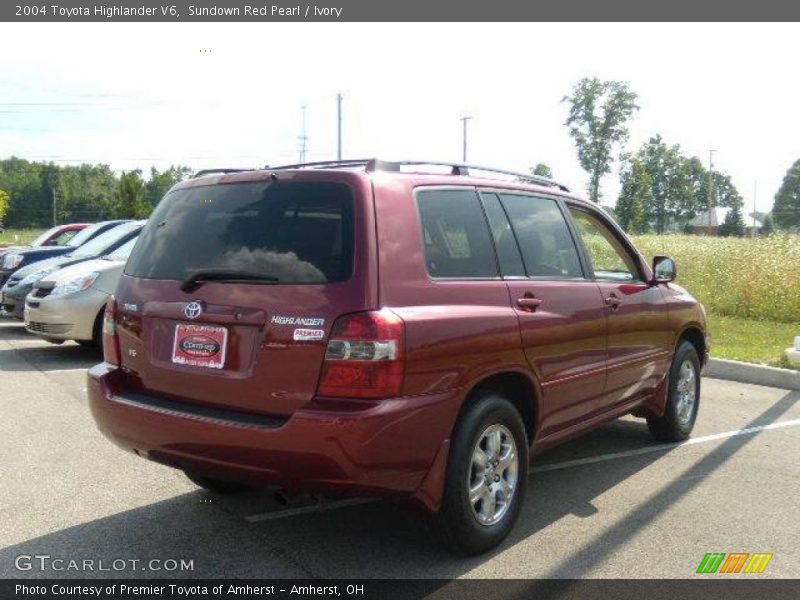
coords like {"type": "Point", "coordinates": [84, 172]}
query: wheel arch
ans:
{"type": "Point", "coordinates": [521, 389]}
{"type": "Point", "coordinates": [694, 334]}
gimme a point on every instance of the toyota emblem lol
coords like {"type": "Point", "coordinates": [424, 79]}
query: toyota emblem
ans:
{"type": "Point", "coordinates": [192, 310]}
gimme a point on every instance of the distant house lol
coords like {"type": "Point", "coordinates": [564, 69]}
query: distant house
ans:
{"type": "Point", "coordinates": [700, 224]}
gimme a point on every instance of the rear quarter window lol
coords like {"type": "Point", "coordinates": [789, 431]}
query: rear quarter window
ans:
{"type": "Point", "coordinates": [455, 235]}
{"type": "Point", "coordinates": [299, 232]}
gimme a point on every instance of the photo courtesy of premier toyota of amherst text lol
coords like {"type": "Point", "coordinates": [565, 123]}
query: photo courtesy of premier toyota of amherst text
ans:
{"type": "Point", "coordinates": [315, 301]}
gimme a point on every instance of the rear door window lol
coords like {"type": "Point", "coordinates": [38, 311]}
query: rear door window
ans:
{"type": "Point", "coordinates": [298, 232]}
{"type": "Point", "coordinates": [456, 235]}
{"type": "Point", "coordinates": [548, 249]}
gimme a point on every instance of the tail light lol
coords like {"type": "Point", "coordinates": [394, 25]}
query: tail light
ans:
{"type": "Point", "coordinates": [365, 357]}
{"type": "Point", "coordinates": [111, 352]}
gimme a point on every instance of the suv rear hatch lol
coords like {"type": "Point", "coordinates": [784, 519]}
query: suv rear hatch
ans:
{"type": "Point", "coordinates": [229, 296]}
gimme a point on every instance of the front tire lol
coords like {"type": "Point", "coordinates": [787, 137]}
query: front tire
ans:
{"type": "Point", "coordinates": [683, 399]}
{"type": "Point", "coordinates": [487, 476]}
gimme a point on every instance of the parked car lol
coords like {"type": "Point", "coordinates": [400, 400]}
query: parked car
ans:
{"type": "Point", "coordinates": [354, 329]}
{"type": "Point", "coordinates": [68, 304]}
{"type": "Point", "coordinates": [55, 236]}
{"type": "Point", "coordinates": [17, 259]}
{"type": "Point", "coordinates": [18, 285]}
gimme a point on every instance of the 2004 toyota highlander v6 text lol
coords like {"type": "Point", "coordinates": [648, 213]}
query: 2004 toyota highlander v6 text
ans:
{"type": "Point", "coordinates": [367, 328]}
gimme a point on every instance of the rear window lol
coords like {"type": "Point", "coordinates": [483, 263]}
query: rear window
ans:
{"type": "Point", "coordinates": [299, 232]}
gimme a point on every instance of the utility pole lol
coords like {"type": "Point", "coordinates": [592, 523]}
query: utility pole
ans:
{"type": "Point", "coordinates": [710, 186]}
{"type": "Point", "coordinates": [464, 121]}
{"type": "Point", "coordinates": [53, 192]}
{"type": "Point", "coordinates": [339, 126]}
{"type": "Point", "coordinates": [303, 138]}
{"type": "Point", "coordinates": [755, 195]}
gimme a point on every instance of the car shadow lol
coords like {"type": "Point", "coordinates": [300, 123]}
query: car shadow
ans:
{"type": "Point", "coordinates": [11, 329]}
{"type": "Point", "coordinates": [380, 539]}
{"type": "Point", "coordinates": [66, 356]}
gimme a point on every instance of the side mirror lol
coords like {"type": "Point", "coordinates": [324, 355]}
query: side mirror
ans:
{"type": "Point", "coordinates": [664, 269]}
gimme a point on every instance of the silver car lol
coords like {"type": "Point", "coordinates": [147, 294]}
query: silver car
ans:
{"type": "Point", "coordinates": [69, 304]}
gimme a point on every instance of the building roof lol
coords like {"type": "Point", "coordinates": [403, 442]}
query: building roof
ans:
{"type": "Point", "coordinates": [718, 214]}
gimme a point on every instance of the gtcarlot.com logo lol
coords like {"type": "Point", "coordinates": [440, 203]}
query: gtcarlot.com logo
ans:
{"type": "Point", "coordinates": [46, 562]}
{"type": "Point", "coordinates": [734, 562]}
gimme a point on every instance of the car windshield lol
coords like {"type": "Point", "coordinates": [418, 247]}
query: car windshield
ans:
{"type": "Point", "coordinates": [292, 232]}
{"type": "Point", "coordinates": [45, 236]}
{"type": "Point", "coordinates": [106, 240]}
{"type": "Point", "coordinates": [84, 234]}
{"type": "Point", "coordinates": [123, 252]}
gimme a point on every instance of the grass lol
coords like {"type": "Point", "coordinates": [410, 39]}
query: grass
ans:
{"type": "Point", "coordinates": [14, 237]}
{"type": "Point", "coordinates": [760, 342]}
{"type": "Point", "coordinates": [750, 288]}
{"type": "Point", "coordinates": [758, 279]}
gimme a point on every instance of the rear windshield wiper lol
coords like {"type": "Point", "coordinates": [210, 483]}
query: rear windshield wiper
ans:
{"type": "Point", "coordinates": [195, 279]}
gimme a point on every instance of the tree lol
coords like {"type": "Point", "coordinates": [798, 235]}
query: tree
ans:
{"type": "Point", "coordinates": [636, 196]}
{"type": "Point", "coordinates": [160, 182]}
{"type": "Point", "coordinates": [786, 210]}
{"type": "Point", "coordinates": [129, 198]}
{"type": "Point", "coordinates": [598, 121]}
{"type": "Point", "coordinates": [679, 185]}
{"type": "Point", "coordinates": [542, 170]}
{"type": "Point", "coordinates": [5, 200]}
{"type": "Point", "coordinates": [671, 182]}
{"type": "Point", "coordinates": [723, 192]}
{"type": "Point", "coordinates": [767, 226]}
{"type": "Point", "coordinates": [733, 225]}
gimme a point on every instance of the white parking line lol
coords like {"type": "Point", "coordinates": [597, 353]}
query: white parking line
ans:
{"type": "Point", "coordinates": [661, 447]}
{"type": "Point", "coordinates": [78, 370]}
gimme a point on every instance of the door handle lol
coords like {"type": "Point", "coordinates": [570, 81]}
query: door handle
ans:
{"type": "Point", "coordinates": [529, 303]}
{"type": "Point", "coordinates": [613, 302]}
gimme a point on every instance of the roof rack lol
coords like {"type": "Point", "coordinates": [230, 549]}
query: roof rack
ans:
{"type": "Point", "coordinates": [373, 164]}
{"type": "Point", "coordinates": [205, 172]}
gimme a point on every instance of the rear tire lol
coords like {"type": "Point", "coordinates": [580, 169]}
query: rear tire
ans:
{"type": "Point", "coordinates": [487, 476]}
{"type": "Point", "coordinates": [219, 486]}
{"type": "Point", "coordinates": [683, 398]}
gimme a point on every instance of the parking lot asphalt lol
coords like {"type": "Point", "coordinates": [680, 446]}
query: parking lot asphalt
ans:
{"type": "Point", "coordinates": [609, 504]}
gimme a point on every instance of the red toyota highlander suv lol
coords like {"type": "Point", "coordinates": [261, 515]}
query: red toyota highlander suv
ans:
{"type": "Point", "coordinates": [368, 328]}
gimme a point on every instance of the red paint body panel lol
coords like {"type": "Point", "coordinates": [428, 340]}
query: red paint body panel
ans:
{"type": "Point", "coordinates": [587, 361]}
{"type": "Point", "coordinates": [379, 448]}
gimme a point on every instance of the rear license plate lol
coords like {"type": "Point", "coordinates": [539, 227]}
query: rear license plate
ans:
{"type": "Point", "coordinates": [200, 345]}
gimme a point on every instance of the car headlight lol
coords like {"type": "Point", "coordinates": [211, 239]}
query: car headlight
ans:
{"type": "Point", "coordinates": [75, 285]}
{"type": "Point", "coordinates": [37, 275]}
{"type": "Point", "coordinates": [12, 261]}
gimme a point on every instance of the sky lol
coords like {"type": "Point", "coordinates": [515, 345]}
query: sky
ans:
{"type": "Point", "coordinates": [135, 95]}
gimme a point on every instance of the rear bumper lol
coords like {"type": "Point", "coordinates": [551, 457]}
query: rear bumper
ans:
{"type": "Point", "coordinates": [387, 448]}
